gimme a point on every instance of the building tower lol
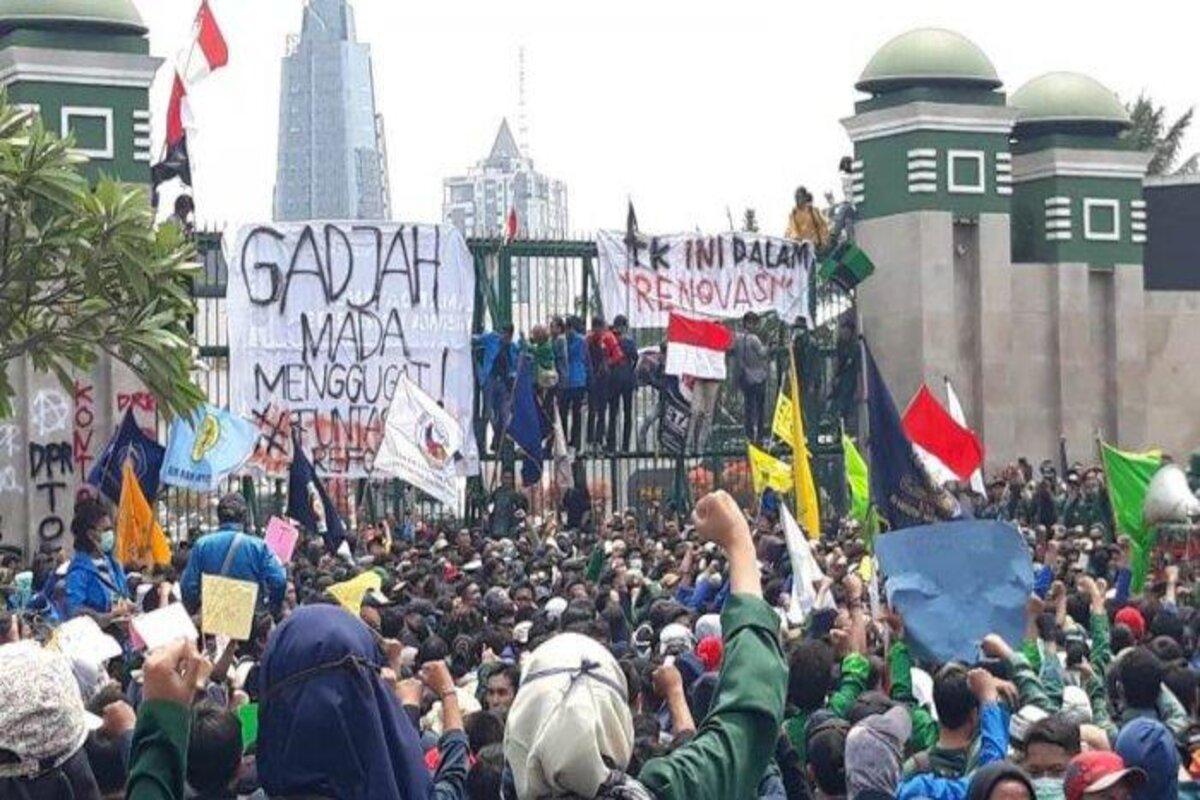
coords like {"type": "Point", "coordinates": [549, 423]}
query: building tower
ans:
{"type": "Point", "coordinates": [933, 177]}
{"type": "Point", "coordinates": [84, 67]}
{"type": "Point", "coordinates": [1079, 227]}
{"type": "Point", "coordinates": [331, 162]}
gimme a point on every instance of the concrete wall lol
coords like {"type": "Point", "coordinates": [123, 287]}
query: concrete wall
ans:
{"type": "Point", "coordinates": [53, 439]}
{"type": "Point", "coordinates": [1172, 336]}
{"type": "Point", "coordinates": [1035, 351]}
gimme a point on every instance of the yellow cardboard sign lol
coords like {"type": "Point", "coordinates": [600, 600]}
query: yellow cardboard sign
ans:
{"type": "Point", "coordinates": [227, 606]}
{"type": "Point", "coordinates": [350, 593]}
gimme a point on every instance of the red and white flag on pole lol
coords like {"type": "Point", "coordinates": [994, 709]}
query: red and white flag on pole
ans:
{"type": "Point", "coordinates": [207, 51]}
{"type": "Point", "coordinates": [697, 347]}
{"type": "Point", "coordinates": [948, 450]}
{"type": "Point", "coordinates": [511, 226]}
{"type": "Point", "coordinates": [956, 412]}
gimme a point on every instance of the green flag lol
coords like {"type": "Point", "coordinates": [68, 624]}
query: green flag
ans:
{"type": "Point", "coordinates": [858, 480]}
{"type": "Point", "coordinates": [1128, 476]}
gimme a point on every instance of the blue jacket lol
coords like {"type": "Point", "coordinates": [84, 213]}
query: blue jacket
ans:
{"type": "Point", "coordinates": [253, 561]}
{"type": "Point", "coordinates": [489, 345]}
{"type": "Point", "coordinates": [87, 590]}
{"type": "Point", "coordinates": [993, 732]}
{"type": "Point", "coordinates": [577, 362]}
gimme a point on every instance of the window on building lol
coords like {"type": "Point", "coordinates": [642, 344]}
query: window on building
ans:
{"type": "Point", "coordinates": [1101, 220]}
{"type": "Point", "coordinates": [965, 173]}
{"type": "Point", "coordinates": [92, 129]}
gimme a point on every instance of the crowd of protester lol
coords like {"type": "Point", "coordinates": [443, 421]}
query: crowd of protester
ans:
{"type": "Point", "coordinates": [630, 655]}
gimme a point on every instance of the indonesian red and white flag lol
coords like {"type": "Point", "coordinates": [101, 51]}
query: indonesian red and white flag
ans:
{"type": "Point", "coordinates": [956, 411]}
{"type": "Point", "coordinates": [207, 51]}
{"type": "Point", "coordinates": [697, 347]}
{"type": "Point", "coordinates": [948, 450]}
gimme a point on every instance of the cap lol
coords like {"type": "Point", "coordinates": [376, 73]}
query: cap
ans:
{"type": "Point", "coordinates": [41, 711]}
{"type": "Point", "coordinates": [1096, 771]}
{"type": "Point", "coordinates": [1131, 618]}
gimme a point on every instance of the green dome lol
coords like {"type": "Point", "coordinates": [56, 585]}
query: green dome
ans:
{"type": "Point", "coordinates": [928, 56]}
{"type": "Point", "coordinates": [1068, 97]}
{"type": "Point", "coordinates": [116, 14]}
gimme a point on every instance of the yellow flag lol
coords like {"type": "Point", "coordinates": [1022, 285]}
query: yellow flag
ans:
{"type": "Point", "coordinates": [350, 593]}
{"type": "Point", "coordinates": [768, 471]}
{"type": "Point", "coordinates": [140, 540]}
{"type": "Point", "coordinates": [781, 425]}
{"type": "Point", "coordinates": [807, 511]}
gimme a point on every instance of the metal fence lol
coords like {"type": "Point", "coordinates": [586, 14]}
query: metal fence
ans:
{"type": "Point", "coordinates": [527, 283]}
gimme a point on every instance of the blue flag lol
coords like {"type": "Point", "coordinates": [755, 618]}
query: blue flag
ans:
{"type": "Point", "coordinates": [955, 583]}
{"type": "Point", "coordinates": [204, 449]}
{"type": "Point", "coordinates": [525, 426]}
{"type": "Point", "coordinates": [303, 488]}
{"type": "Point", "coordinates": [128, 443]}
{"type": "Point", "coordinates": [900, 487]}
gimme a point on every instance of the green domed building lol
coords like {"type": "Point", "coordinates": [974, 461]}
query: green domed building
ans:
{"type": "Point", "coordinates": [84, 66]}
{"type": "Point", "coordinates": [1008, 234]}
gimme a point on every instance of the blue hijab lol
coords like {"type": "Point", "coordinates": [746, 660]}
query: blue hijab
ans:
{"type": "Point", "coordinates": [327, 724]}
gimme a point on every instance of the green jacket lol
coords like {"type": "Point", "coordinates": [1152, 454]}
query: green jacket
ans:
{"type": "Point", "coordinates": [159, 753]}
{"type": "Point", "coordinates": [924, 726]}
{"type": "Point", "coordinates": [855, 671]}
{"type": "Point", "coordinates": [736, 740]}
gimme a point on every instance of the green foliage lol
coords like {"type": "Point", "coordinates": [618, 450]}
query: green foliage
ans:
{"type": "Point", "coordinates": [1152, 132]}
{"type": "Point", "coordinates": [83, 270]}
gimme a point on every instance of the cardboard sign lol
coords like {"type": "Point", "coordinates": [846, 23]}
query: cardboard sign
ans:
{"type": "Point", "coordinates": [281, 538]}
{"type": "Point", "coordinates": [82, 640]}
{"type": "Point", "coordinates": [165, 625]}
{"type": "Point", "coordinates": [227, 606]}
{"type": "Point", "coordinates": [350, 593]}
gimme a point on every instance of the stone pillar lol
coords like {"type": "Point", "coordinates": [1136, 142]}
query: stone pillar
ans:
{"type": "Point", "coordinates": [1080, 388]}
{"type": "Point", "coordinates": [994, 402]}
{"type": "Point", "coordinates": [1129, 326]}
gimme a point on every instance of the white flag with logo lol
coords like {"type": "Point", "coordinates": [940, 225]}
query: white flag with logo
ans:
{"type": "Point", "coordinates": [421, 443]}
{"type": "Point", "coordinates": [806, 572]}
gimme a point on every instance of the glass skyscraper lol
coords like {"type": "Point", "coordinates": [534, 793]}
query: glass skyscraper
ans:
{"type": "Point", "coordinates": [332, 162]}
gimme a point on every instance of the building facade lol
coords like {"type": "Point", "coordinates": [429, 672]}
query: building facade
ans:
{"type": "Point", "coordinates": [332, 162]}
{"type": "Point", "coordinates": [1009, 234]}
{"type": "Point", "coordinates": [84, 67]}
{"type": "Point", "coordinates": [478, 204]}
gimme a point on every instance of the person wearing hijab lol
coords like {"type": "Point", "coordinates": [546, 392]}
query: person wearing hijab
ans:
{"type": "Point", "coordinates": [875, 753]}
{"type": "Point", "coordinates": [328, 725]}
{"type": "Point", "coordinates": [570, 729]}
{"type": "Point", "coordinates": [42, 728]}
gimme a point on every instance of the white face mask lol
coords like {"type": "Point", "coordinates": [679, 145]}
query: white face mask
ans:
{"type": "Point", "coordinates": [1048, 788]}
{"type": "Point", "coordinates": [107, 540]}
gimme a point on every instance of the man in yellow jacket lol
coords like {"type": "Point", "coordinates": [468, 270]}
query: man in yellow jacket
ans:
{"type": "Point", "coordinates": [806, 222]}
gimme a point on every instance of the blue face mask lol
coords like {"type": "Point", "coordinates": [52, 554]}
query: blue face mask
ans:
{"type": "Point", "coordinates": [1048, 788]}
{"type": "Point", "coordinates": [107, 540]}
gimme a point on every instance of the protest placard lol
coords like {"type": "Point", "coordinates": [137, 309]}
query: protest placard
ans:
{"type": "Point", "coordinates": [350, 593]}
{"type": "Point", "coordinates": [281, 538]}
{"type": "Point", "coordinates": [82, 640]}
{"type": "Point", "coordinates": [328, 317]}
{"type": "Point", "coordinates": [164, 625]}
{"type": "Point", "coordinates": [227, 606]}
{"type": "Point", "coordinates": [722, 276]}
{"type": "Point", "coordinates": [248, 716]}
{"type": "Point", "coordinates": [956, 582]}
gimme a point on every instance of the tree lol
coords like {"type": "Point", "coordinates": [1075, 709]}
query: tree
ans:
{"type": "Point", "coordinates": [1151, 132]}
{"type": "Point", "coordinates": [83, 271]}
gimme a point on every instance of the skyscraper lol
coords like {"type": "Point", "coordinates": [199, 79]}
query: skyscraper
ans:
{"type": "Point", "coordinates": [332, 161]}
{"type": "Point", "coordinates": [478, 202]}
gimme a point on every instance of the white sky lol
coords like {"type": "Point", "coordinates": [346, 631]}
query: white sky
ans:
{"type": "Point", "coordinates": [688, 107]}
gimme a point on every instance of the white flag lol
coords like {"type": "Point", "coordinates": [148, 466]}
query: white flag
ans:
{"type": "Point", "coordinates": [806, 572]}
{"type": "Point", "coordinates": [421, 443]}
{"type": "Point", "coordinates": [956, 412]}
{"type": "Point", "coordinates": [563, 473]}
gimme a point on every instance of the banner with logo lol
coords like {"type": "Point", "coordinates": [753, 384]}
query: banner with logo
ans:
{"type": "Point", "coordinates": [723, 276]}
{"type": "Point", "coordinates": [204, 449]}
{"type": "Point", "coordinates": [325, 318]}
{"type": "Point", "coordinates": [423, 444]}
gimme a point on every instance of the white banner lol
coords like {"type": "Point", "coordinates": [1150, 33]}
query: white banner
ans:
{"type": "Point", "coordinates": [324, 318]}
{"type": "Point", "coordinates": [422, 444]}
{"type": "Point", "coordinates": [718, 277]}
